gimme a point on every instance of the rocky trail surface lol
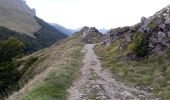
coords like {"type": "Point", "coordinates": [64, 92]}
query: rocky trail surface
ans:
{"type": "Point", "coordinates": [96, 83]}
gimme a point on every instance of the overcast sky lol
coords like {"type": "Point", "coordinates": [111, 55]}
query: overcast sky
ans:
{"type": "Point", "coordinates": [98, 13]}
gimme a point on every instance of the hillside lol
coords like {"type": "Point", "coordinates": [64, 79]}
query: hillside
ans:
{"type": "Point", "coordinates": [16, 15]}
{"type": "Point", "coordinates": [127, 63]}
{"type": "Point", "coordinates": [65, 75]}
{"type": "Point", "coordinates": [52, 72]}
{"type": "Point", "coordinates": [18, 20]}
{"type": "Point", "coordinates": [140, 54]}
{"type": "Point", "coordinates": [54, 68]}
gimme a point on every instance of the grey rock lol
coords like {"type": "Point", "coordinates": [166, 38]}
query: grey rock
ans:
{"type": "Point", "coordinates": [162, 25]}
{"type": "Point", "coordinates": [91, 35]}
{"type": "Point", "coordinates": [151, 45]}
{"type": "Point", "coordinates": [167, 20]}
{"type": "Point", "coordinates": [161, 36]}
{"type": "Point", "coordinates": [156, 28]}
{"type": "Point", "coordinates": [168, 34]}
{"type": "Point", "coordinates": [144, 20]}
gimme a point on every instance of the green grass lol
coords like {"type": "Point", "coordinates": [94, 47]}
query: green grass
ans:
{"type": "Point", "coordinates": [63, 60]}
{"type": "Point", "coordinates": [55, 85]}
{"type": "Point", "coordinates": [153, 72]}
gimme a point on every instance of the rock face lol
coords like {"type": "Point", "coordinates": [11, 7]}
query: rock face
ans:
{"type": "Point", "coordinates": [16, 15]}
{"type": "Point", "coordinates": [156, 28]}
{"type": "Point", "coordinates": [91, 35]}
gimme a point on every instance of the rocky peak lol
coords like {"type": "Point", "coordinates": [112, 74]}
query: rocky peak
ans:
{"type": "Point", "coordinates": [91, 35]}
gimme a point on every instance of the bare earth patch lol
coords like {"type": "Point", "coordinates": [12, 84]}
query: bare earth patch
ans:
{"type": "Point", "coordinates": [97, 83]}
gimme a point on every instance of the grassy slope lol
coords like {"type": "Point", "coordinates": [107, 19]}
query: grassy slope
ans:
{"type": "Point", "coordinates": [66, 59]}
{"type": "Point", "coordinates": [152, 74]}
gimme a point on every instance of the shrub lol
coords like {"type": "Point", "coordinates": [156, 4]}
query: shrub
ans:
{"type": "Point", "coordinates": [31, 60]}
{"type": "Point", "coordinates": [9, 74]}
{"type": "Point", "coordinates": [9, 49]}
{"type": "Point", "coordinates": [139, 46]}
{"type": "Point", "coordinates": [153, 26]}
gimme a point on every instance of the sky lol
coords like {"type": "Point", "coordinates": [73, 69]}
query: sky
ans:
{"type": "Point", "coordinates": [96, 13]}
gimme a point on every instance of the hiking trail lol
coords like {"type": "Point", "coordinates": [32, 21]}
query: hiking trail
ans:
{"type": "Point", "coordinates": [97, 83]}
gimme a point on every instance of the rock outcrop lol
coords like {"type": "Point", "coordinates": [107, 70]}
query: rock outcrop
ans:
{"type": "Point", "coordinates": [91, 35]}
{"type": "Point", "coordinates": [156, 28]}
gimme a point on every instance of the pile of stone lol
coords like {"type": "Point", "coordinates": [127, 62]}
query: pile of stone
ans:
{"type": "Point", "coordinates": [91, 35]}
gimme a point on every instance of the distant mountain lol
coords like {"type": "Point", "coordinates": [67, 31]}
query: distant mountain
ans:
{"type": "Point", "coordinates": [70, 32]}
{"type": "Point", "coordinates": [64, 30]}
{"type": "Point", "coordinates": [18, 20]}
{"type": "Point", "coordinates": [103, 30]}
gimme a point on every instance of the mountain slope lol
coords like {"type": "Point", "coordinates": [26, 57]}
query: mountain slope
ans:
{"type": "Point", "coordinates": [62, 29]}
{"type": "Point", "coordinates": [62, 65]}
{"type": "Point", "coordinates": [18, 20]}
{"type": "Point", "coordinates": [136, 55]}
{"type": "Point", "coordinates": [16, 15]}
{"type": "Point", "coordinates": [48, 35]}
{"type": "Point", "coordinates": [55, 69]}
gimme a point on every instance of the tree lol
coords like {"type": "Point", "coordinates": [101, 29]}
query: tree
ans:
{"type": "Point", "coordinates": [9, 75]}
{"type": "Point", "coordinates": [10, 49]}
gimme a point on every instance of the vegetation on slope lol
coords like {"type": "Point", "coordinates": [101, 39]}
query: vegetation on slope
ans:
{"type": "Point", "coordinates": [151, 74]}
{"type": "Point", "coordinates": [15, 73]}
{"type": "Point", "coordinates": [46, 36]}
{"type": "Point", "coordinates": [31, 44]}
{"type": "Point", "coordinates": [9, 75]}
{"type": "Point", "coordinates": [139, 45]}
{"type": "Point", "coordinates": [63, 62]}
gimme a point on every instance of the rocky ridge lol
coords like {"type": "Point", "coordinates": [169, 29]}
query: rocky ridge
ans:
{"type": "Point", "coordinates": [156, 28]}
{"type": "Point", "coordinates": [91, 35]}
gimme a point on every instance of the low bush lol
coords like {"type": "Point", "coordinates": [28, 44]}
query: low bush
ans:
{"type": "Point", "coordinates": [139, 45]}
{"type": "Point", "coordinates": [9, 51]}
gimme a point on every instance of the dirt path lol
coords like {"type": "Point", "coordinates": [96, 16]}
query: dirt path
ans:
{"type": "Point", "coordinates": [97, 83]}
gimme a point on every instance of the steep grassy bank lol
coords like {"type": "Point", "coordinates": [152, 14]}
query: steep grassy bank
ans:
{"type": "Point", "coordinates": [62, 62]}
{"type": "Point", "coordinates": [152, 74]}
